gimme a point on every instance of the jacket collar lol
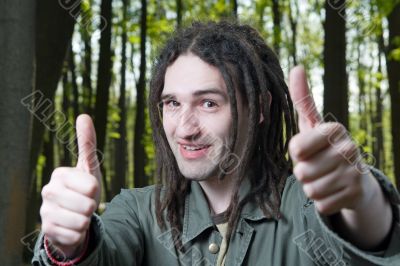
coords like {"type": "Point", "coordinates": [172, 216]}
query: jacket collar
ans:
{"type": "Point", "coordinates": [197, 217]}
{"type": "Point", "coordinates": [197, 213]}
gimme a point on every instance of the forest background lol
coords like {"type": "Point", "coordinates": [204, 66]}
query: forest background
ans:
{"type": "Point", "coordinates": [62, 58]}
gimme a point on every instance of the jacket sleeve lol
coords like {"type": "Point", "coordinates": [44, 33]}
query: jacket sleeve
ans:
{"type": "Point", "coordinates": [346, 253]}
{"type": "Point", "coordinates": [116, 238]}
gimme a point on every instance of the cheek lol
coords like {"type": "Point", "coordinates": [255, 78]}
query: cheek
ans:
{"type": "Point", "coordinates": [169, 127]}
{"type": "Point", "coordinates": [218, 126]}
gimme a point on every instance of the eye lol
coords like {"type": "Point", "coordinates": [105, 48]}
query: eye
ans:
{"type": "Point", "coordinates": [209, 104]}
{"type": "Point", "coordinates": [171, 104]}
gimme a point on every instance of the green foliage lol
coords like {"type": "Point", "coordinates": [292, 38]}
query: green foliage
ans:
{"type": "Point", "coordinates": [365, 23]}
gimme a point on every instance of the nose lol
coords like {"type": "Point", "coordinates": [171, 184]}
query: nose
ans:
{"type": "Point", "coordinates": [188, 124]}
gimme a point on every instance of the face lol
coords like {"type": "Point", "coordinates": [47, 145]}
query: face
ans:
{"type": "Point", "coordinates": [197, 116]}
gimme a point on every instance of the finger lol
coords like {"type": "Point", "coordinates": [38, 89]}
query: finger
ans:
{"type": "Point", "coordinates": [317, 166]}
{"type": "Point", "coordinates": [334, 203]}
{"type": "Point", "coordinates": [61, 236]}
{"type": "Point", "coordinates": [327, 185]}
{"type": "Point", "coordinates": [75, 202]}
{"type": "Point", "coordinates": [302, 99]}
{"type": "Point", "coordinates": [73, 179]}
{"type": "Point", "coordinates": [69, 220]}
{"type": "Point", "coordinates": [306, 144]}
{"type": "Point", "coordinates": [86, 135]}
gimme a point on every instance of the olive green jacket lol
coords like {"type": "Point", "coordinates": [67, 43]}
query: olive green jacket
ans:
{"type": "Point", "coordinates": [127, 234]}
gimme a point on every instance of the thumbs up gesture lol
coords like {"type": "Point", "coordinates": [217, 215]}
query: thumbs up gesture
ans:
{"type": "Point", "coordinates": [73, 194]}
{"type": "Point", "coordinates": [327, 161]}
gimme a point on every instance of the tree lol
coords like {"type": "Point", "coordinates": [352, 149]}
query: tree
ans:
{"type": "Point", "coordinates": [86, 30]}
{"type": "Point", "coordinates": [103, 82]}
{"type": "Point", "coordinates": [121, 143]}
{"type": "Point", "coordinates": [293, 14]}
{"type": "Point", "coordinates": [234, 5]}
{"type": "Point", "coordinates": [66, 158]}
{"type": "Point", "coordinates": [52, 42]}
{"type": "Point", "coordinates": [55, 22]}
{"type": "Point", "coordinates": [139, 154]}
{"type": "Point", "coordinates": [276, 12]}
{"type": "Point", "coordinates": [377, 118]}
{"type": "Point", "coordinates": [75, 89]}
{"type": "Point", "coordinates": [335, 75]}
{"type": "Point", "coordinates": [393, 69]}
{"type": "Point", "coordinates": [16, 79]}
{"type": "Point", "coordinates": [178, 13]}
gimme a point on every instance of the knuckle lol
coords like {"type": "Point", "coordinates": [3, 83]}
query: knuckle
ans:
{"type": "Point", "coordinates": [336, 132]}
{"type": "Point", "coordinates": [48, 228]}
{"type": "Point", "coordinates": [57, 173]}
{"type": "Point", "coordinates": [299, 171]}
{"type": "Point", "coordinates": [46, 192]}
{"type": "Point", "coordinates": [347, 147]}
{"type": "Point", "coordinates": [92, 188]}
{"type": "Point", "coordinates": [83, 224]}
{"type": "Point", "coordinates": [295, 148]}
{"type": "Point", "coordinates": [338, 128]}
{"type": "Point", "coordinates": [310, 191]}
{"type": "Point", "coordinates": [43, 212]}
{"type": "Point", "coordinates": [90, 208]}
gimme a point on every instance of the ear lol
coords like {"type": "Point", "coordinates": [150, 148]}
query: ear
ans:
{"type": "Point", "coordinates": [261, 106]}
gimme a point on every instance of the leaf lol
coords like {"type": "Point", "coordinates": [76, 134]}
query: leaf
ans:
{"type": "Point", "coordinates": [395, 54]}
{"type": "Point", "coordinates": [114, 135]}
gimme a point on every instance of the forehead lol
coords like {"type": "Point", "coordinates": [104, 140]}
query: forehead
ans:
{"type": "Point", "coordinates": [189, 74]}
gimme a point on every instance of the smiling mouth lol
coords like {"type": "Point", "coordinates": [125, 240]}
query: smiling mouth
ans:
{"type": "Point", "coordinates": [194, 148]}
{"type": "Point", "coordinates": [191, 152]}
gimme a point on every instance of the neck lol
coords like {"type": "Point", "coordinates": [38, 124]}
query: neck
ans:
{"type": "Point", "coordinates": [218, 193]}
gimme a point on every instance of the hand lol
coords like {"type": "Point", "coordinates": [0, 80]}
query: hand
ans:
{"type": "Point", "coordinates": [73, 194]}
{"type": "Point", "coordinates": [327, 161]}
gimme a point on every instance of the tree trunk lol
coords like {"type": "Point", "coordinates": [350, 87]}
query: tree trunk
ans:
{"type": "Point", "coordinates": [234, 8]}
{"type": "Point", "coordinates": [362, 105]}
{"type": "Point", "coordinates": [293, 27]}
{"type": "Point", "coordinates": [103, 83]}
{"type": "Point", "coordinates": [55, 22]}
{"type": "Point", "coordinates": [74, 83]}
{"type": "Point", "coordinates": [335, 75]}
{"type": "Point", "coordinates": [17, 50]}
{"type": "Point", "coordinates": [379, 152]}
{"type": "Point", "coordinates": [377, 121]}
{"type": "Point", "coordinates": [178, 13]}
{"type": "Point", "coordinates": [87, 88]}
{"type": "Point", "coordinates": [66, 159]}
{"type": "Point", "coordinates": [276, 12]}
{"type": "Point", "coordinates": [139, 153]}
{"type": "Point", "coordinates": [393, 69]}
{"type": "Point", "coordinates": [121, 144]}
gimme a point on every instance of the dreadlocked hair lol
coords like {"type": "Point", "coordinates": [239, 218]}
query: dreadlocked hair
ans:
{"type": "Point", "coordinates": [249, 67]}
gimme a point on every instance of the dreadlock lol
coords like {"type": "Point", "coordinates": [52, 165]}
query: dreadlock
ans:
{"type": "Point", "coordinates": [250, 67]}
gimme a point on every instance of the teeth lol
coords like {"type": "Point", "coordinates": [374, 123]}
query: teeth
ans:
{"type": "Point", "coordinates": [192, 148]}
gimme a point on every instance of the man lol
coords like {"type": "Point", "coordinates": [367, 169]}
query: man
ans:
{"type": "Point", "coordinates": [222, 118]}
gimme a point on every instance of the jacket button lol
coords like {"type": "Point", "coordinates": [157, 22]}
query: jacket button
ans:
{"type": "Point", "coordinates": [213, 248]}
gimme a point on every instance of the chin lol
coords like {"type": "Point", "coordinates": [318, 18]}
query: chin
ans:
{"type": "Point", "coordinates": [199, 175]}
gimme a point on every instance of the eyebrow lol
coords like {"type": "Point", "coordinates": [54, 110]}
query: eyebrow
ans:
{"type": "Point", "coordinates": [199, 93]}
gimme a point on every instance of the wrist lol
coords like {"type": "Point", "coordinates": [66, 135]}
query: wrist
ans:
{"type": "Point", "coordinates": [66, 256]}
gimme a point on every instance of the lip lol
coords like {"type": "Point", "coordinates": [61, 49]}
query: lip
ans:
{"type": "Point", "coordinates": [191, 155]}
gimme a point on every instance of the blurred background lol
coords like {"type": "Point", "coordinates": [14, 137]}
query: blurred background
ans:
{"type": "Point", "coordinates": [62, 58]}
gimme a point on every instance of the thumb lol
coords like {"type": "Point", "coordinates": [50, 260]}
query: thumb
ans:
{"type": "Point", "coordinates": [87, 152]}
{"type": "Point", "coordinates": [302, 99]}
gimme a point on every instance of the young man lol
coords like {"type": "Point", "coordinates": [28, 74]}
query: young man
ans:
{"type": "Point", "coordinates": [222, 119]}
